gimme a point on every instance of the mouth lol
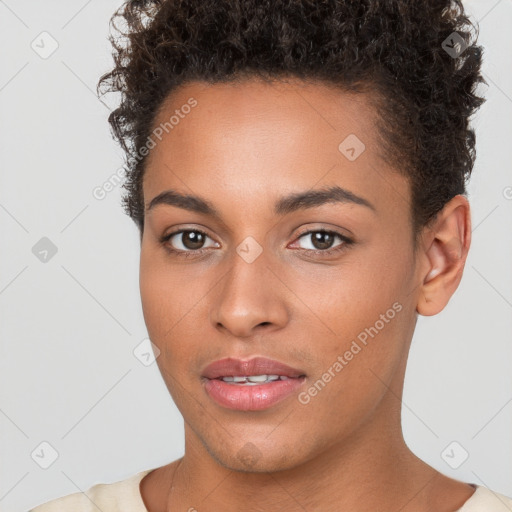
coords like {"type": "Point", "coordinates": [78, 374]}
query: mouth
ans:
{"type": "Point", "coordinates": [254, 380]}
{"type": "Point", "coordinates": [250, 385]}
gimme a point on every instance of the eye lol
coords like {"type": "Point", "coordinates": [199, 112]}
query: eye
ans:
{"type": "Point", "coordinates": [186, 241]}
{"type": "Point", "coordinates": [321, 241]}
{"type": "Point", "coordinates": [189, 242]}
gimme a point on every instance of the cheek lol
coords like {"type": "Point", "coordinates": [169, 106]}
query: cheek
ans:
{"type": "Point", "coordinates": [171, 304]}
{"type": "Point", "coordinates": [344, 299]}
{"type": "Point", "coordinates": [359, 344]}
{"type": "Point", "coordinates": [356, 311]}
{"type": "Point", "coordinates": [160, 296]}
{"type": "Point", "coordinates": [151, 292]}
{"type": "Point", "coordinates": [160, 289]}
{"type": "Point", "coordinates": [164, 316]}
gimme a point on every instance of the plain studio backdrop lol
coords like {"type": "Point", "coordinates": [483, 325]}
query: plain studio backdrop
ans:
{"type": "Point", "coordinates": [79, 402]}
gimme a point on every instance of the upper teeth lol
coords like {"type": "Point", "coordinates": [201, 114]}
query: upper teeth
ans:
{"type": "Point", "coordinates": [254, 378]}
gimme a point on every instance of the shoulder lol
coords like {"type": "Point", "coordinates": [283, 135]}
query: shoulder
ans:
{"type": "Point", "coordinates": [487, 500]}
{"type": "Point", "coordinates": [120, 496]}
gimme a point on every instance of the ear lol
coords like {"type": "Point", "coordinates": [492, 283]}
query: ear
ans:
{"type": "Point", "coordinates": [445, 248]}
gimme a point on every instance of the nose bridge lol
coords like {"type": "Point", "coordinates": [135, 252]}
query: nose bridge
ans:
{"type": "Point", "coordinates": [249, 294]}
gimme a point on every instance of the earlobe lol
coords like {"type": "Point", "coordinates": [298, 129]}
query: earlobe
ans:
{"type": "Point", "coordinates": [447, 247]}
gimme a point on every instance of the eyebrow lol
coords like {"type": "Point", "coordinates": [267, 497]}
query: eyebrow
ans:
{"type": "Point", "coordinates": [283, 206]}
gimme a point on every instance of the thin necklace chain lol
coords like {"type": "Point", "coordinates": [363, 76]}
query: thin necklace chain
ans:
{"type": "Point", "coordinates": [168, 508]}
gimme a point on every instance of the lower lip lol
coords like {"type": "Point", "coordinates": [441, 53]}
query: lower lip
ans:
{"type": "Point", "coordinates": [251, 398]}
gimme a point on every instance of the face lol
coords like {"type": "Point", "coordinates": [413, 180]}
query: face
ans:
{"type": "Point", "coordinates": [323, 285]}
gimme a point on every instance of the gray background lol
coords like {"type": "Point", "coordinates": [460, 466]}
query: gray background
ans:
{"type": "Point", "coordinates": [69, 325]}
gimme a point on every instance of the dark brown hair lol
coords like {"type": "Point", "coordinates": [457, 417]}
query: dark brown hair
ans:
{"type": "Point", "coordinates": [403, 52]}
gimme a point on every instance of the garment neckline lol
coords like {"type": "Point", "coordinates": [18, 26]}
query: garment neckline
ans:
{"type": "Point", "coordinates": [137, 479]}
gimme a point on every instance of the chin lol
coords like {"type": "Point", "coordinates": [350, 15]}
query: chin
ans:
{"type": "Point", "coordinates": [252, 458]}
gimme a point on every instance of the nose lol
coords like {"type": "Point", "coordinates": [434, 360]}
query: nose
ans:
{"type": "Point", "coordinates": [250, 299]}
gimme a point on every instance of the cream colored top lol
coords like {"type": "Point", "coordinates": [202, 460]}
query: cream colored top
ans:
{"type": "Point", "coordinates": [124, 496]}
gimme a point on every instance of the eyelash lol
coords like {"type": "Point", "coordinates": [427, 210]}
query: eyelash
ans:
{"type": "Point", "coordinates": [187, 254]}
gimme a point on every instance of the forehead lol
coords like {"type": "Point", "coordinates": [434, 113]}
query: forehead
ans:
{"type": "Point", "coordinates": [253, 141]}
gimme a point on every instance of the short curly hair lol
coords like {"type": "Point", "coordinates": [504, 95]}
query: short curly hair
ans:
{"type": "Point", "coordinates": [416, 59]}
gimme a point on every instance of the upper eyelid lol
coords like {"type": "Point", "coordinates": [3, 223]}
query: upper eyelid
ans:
{"type": "Point", "coordinates": [325, 230]}
{"type": "Point", "coordinates": [168, 236]}
{"type": "Point", "coordinates": [346, 240]}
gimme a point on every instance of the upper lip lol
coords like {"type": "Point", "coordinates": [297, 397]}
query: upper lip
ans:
{"type": "Point", "coordinates": [232, 367]}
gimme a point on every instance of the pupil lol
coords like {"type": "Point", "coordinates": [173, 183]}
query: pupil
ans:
{"type": "Point", "coordinates": [319, 240]}
{"type": "Point", "coordinates": [192, 239]}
